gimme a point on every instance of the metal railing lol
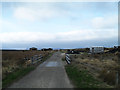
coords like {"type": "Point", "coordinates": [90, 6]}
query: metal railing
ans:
{"type": "Point", "coordinates": [68, 59]}
{"type": "Point", "coordinates": [35, 59]}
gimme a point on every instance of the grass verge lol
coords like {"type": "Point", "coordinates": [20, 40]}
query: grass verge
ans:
{"type": "Point", "coordinates": [16, 75]}
{"type": "Point", "coordinates": [82, 79]}
{"type": "Point", "coordinates": [45, 58]}
{"type": "Point", "coordinates": [63, 59]}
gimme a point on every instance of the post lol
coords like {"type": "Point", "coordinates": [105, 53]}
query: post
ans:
{"type": "Point", "coordinates": [117, 78]}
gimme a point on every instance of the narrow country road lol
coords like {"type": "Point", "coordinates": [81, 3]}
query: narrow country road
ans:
{"type": "Point", "coordinates": [49, 74]}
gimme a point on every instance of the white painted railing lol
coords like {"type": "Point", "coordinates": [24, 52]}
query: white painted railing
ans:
{"type": "Point", "coordinates": [67, 57]}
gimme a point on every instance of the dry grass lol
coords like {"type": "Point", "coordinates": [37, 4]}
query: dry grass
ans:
{"type": "Point", "coordinates": [14, 60]}
{"type": "Point", "coordinates": [104, 66]}
{"type": "Point", "coordinates": [108, 76]}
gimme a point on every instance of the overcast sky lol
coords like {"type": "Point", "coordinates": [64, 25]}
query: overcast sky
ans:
{"type": "Point", "coordinates": [59, 25]}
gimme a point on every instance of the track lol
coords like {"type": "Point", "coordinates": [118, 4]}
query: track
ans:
{"type": "Point", "coordinates": [49, 74]}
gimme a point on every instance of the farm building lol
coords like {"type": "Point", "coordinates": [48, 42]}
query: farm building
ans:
{"type": "Point", "coordinates": [72, 52]}
{"type": "Point", "coordinates": [97, 49]}
{"type": "Point", "coordinates": [116, 47]}
{"type": "Point", "coordinates": [33, 48]}
{"type": "Point", "coordinates": [46, 49]}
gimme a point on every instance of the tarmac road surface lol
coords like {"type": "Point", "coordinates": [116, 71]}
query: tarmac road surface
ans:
{"type": "Point", "coordinates": [49, 74]}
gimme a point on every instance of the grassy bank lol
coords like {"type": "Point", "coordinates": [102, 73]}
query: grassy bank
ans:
{"type": "Point", "coordinates": [82, 78]}
{"type": "Point", "coordinates": [48, 56]}
{"type": "Point", "coordinates": [16, 75]}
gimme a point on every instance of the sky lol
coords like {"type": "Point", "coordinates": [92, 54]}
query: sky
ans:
{"type": "Point", "coordinates": [58, 24]}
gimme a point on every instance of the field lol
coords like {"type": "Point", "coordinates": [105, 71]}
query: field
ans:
{"type": "Point", "coordinates": [16, 64]}
{"type": "Point", "coordinates": [104, 67]}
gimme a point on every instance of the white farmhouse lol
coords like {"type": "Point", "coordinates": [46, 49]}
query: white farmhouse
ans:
{"type": "Point", "coordinates": [97, 49]}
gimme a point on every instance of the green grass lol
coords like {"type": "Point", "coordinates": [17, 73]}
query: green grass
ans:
{"type": "Point", "coordinates": [82, 79]}
{"type": "Point", "coordinates": [16, 75]}
{"type": "Point", "coordinates": [45, 58]}
{"type": "Point", "coordinates": [63, 59]}
{"type": "Point", "coordinates": [63, 51]}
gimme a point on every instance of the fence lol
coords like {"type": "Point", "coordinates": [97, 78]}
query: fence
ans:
{"type": "Point", "coordinates": [36, 58]}
{"type": "Point", "coordinates": [68, 59]}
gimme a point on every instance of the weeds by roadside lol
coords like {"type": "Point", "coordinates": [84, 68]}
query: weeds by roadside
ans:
{"type": "Point", "coordinates": [16, 75]}
{"type": "Point", "coordinates": [102, 66]}
{"type": "Point", "coordinates": [82, 78]}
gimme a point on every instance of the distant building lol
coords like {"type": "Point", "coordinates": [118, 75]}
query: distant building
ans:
{"type": "Point", "coordinates": [33, 48]}
{"type": "Point", "coordinates": [72, 51]}
{"type": "Point", "coordinates": [97, 49]}
{"type": "Point", "coordinates": [116, 47]}
{"type": "Point", "coordinates": [46, 49]}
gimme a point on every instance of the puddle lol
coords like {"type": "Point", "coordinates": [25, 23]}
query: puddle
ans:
{"type": "Point", "coordinates": [52, 64]}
